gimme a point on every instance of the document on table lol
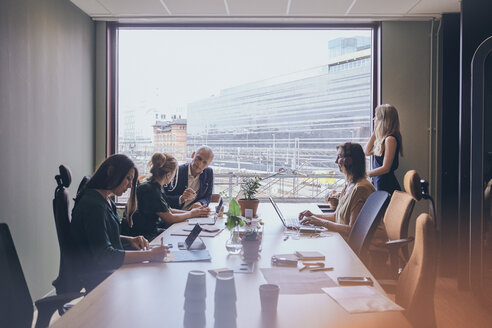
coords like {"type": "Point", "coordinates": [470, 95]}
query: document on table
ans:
{"type": "Point", "coordinates": [291, 281]}
{"type": "Point", "coordinates": [358, 299]}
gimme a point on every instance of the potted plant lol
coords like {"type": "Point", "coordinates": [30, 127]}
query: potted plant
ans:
{"type": "Point", "coordinates": [234, 221]}
{"type": "Point", "coordinates": [249, 188]}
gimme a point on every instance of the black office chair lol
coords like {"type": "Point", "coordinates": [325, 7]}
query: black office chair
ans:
{"type": "Point", "coordinates": [82, 184]}
{"type": "Point", "coordinates": [16, 307]}
{"type": "Point", "coordinates": [367, 222]}
{"type": "Point", "coordinates": [67, 280]}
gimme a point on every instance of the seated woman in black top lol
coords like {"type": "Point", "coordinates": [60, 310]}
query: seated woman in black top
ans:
{"type": "Point", "coordinates": [95, 223]}
{"type": "Point", "coordinates": [154, 214]}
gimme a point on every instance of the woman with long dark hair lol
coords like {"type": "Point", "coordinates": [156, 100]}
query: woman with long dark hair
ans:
{"type": "Point", "coordinates": [95, 223]}
{"type": "Point", "coordinates": [351, 162]}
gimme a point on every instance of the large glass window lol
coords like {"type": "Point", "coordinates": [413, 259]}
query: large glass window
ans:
{"type": "Point", "coordinates": [269, 102]}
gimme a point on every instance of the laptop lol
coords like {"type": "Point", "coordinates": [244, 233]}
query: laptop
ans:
{"type": "Point", "coordinates": [293, 222]}
{"type": "Point", "coordinates": [208, 220]}
{"type": "Point", "coordinates": [192, 242]}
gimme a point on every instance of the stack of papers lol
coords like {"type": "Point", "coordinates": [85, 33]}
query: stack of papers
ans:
{"type": "Point", "coordinates": [358, 299]}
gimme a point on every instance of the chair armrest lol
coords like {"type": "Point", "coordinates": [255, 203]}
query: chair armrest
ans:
{"type": "Point", "coordinates": [398, 243]}
{"type": "Point", "coordinates": [389, 285]}
{"type": "Point", "coordinates": [48, 305]}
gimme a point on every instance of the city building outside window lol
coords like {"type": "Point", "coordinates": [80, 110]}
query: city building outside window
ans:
{"type": "Point", "coordinates": [273, 103]}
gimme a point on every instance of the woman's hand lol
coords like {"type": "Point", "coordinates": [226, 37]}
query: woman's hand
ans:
{"type": "Point", "coordinates": [158, 253]}
{"type": "Point", "coordinates": [312, 220]}
{"type": "Point", "coordinates": [200, 212]}
{"type": "Point", "coordinates": [197, 205]}
{"type": "Point", "coordinates": [304, 214]}
{"type": "Point", "coordinates": [332, 194]}
{"type": "Point", "coordinates": [139, 242]}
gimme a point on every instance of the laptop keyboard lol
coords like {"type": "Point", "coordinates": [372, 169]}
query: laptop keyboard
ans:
{"type": "Point", "coordinates": [293, 222]}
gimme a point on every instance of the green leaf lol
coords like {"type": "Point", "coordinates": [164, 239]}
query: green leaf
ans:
{"type": "Point", "coordinates": [234, 208]}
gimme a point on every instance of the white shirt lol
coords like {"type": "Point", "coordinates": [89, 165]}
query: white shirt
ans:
{"type": "Point", "coordinates": [193, 183]}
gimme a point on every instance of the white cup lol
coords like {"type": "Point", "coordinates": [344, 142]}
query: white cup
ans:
{"type": "Point", "coordinates": [269, 298]}
{"type": "Point", "coordinates": [225, 288]}
{"type": "Point", "coordinates": [195, 285]}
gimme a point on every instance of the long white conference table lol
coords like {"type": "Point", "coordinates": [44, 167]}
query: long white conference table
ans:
{"type": "Point", "coordinates": [152, 294]}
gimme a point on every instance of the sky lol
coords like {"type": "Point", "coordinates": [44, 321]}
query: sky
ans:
{"type": "Point", "coordinates": [168, 69]}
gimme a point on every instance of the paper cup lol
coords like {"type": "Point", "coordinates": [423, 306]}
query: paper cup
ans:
{"type": "Point", "coordinates": [225, 288]}
{"type": "Point", "coordinates": [269, 298]}
{"type": "Point", "coordinates": [195, 285]}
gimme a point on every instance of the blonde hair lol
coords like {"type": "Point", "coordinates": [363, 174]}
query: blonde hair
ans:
{"type": "Point", "coordinates": [387, 124]}
{"type": "Point", "coordinates": [162, 164]}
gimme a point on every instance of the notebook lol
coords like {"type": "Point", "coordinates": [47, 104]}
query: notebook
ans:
{"type": "Point", "coordinates": [310, 256]}
{"type": "Point", "coordinates": [209, 220]}
{"type": "Point", "coordinates": [293, 222]}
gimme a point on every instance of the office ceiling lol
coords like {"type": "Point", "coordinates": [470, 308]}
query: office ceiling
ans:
{"type": "Point", "coordinates": [337, 9]}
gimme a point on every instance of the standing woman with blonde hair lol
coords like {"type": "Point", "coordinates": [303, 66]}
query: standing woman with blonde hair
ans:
{"type": "Point", "coordinates": [154, 213]}
{"type": "Point", "coordinates": [386, 146]}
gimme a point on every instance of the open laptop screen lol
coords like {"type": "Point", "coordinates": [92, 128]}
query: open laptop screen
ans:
{"type": "Point", "coordinates": [275, 206]}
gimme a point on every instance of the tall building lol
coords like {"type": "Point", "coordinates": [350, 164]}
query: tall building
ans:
{"type": "Point", "coordinates": [291, 121]}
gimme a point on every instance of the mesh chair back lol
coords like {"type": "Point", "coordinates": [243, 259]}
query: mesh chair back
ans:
{"type": "Point", "coordinates": [16, 308]}
{"type": "Point", "coordinates": [369, 218]}
{"type": "Point", "coordinates": [415, 289]}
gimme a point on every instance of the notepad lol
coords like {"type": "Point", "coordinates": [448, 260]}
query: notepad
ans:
{"type": "Point", "coordinates": [310, 256]}
{"type": "Point", "coordinates": [187, 256]}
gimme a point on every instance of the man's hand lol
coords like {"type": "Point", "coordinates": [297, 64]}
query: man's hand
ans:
{"type": "Point", "coordinates": [188, 194]}
{"type": "Point", "coordinates": [139, 242]}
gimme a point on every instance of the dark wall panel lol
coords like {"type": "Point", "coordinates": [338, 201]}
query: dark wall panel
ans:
{"type": "Point", "coordinates": [475, 28]}
{"type": "Point", "coordinates": [450, 139]}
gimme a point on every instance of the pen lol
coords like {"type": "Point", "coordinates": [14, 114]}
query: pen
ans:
{"type": "Point", "coordinates": [321, 269]}
{"type": "Point", "coordinates": [162, 241]}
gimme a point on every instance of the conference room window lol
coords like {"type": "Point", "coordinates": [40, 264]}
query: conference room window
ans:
{"type": "Point", "coordinates": [269, 102]}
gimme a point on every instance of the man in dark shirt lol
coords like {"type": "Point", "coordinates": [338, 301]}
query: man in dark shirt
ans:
{"type": "Point", "coordinates": [194, 182]}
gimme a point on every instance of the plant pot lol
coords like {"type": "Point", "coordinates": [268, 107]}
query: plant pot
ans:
{"type": "Point", "coordinates": [249, 204]}
{"type": "Point", "coordinates": [251, 248]}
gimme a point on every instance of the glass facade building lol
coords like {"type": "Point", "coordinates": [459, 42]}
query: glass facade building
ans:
{"type": "Point", "coordinates": [293, 121]}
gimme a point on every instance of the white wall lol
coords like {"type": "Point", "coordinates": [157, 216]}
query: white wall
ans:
{"type": "Point", "coordinates": [46, 119]}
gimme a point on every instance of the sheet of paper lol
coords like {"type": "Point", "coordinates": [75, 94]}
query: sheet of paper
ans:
{"type": "Point", "coordinates": [291, 281]}
{"type": "Point", "coordinates": [358, 299]}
